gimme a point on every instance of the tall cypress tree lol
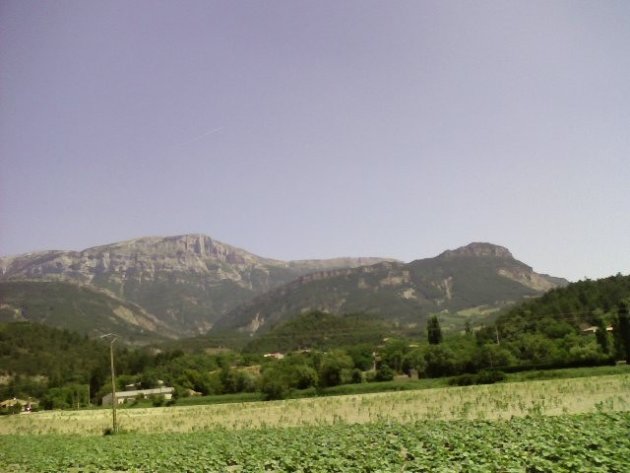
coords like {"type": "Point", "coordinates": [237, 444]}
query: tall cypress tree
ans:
{"type": "Point", "coordinates": [623, 330]}
{"type": "Point", "coordinates": [602, 335]}
{"type": "Point", "coordinates": [434, 332]}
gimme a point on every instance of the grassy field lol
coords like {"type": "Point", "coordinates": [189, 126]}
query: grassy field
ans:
{"type": "Point", "coordinates": [400, 383]}
{"type": "Point", "coordinates": [558, 425]}
{"type": "Point", "coordinates": [487, 402]}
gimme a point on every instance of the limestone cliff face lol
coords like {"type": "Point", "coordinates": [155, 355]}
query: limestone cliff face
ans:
{"type": "Point", "coordinates": [477, 275]}
{"type": "Point", "coordinates": [145, 256]}
{"type": "Point", "coordinates": [477, 250]}
{"type": "Point", "coordinates": [190, 284]}
{"type": "Point", "coordinates": [187, 281]}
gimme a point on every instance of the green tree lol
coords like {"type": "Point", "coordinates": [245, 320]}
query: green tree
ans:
{"type": "Point", "coordinates": [199, 381]}
{"type": "Point", "coordinates": [229, 380]}
{"type": "Point", "coordinates": [362, 356]}
{"type": "Point", "coordinates": [57, 398]}
{"type": "Point", "coordinates": [440, 361]}
{"type": "Point", "coordinates": [585, 352]}
{"type": "Point", "coordinates": [302, 376]}
{"type": "Point", "coordinates": [414, 360]}
{"type": "Point", "coordinates": [622, 331]}
{"type": "Point", "coordinates": [357, 376]}
{"type": "Point", "coordinates": [393, 354]}
{"type": "Point", "coordinates": [332, 367]}
{"type": "Point", "coordinates": [384, 373]}
{"type": "Point", "coordinates": [156, 400]}
{"type": "Point", "coordinates": [273, 386]}
{"type": "Point", "coordinates": [493, 356]}
{"type": "Point", "coordinates": [434, 332]}
{"type": "Point", "coordinates": [601, 335]}
{"type": "Point", "coordinates": [536, 349]}
{"type": "Point", "coordinates": [15, 408]}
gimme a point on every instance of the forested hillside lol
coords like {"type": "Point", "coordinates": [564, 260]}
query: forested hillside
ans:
{"type": "Point", "coordinates": [576, 306]}
{"type": "Point", "coordinates": [35, 359]}
{"type": "Point", "coordinates": [585, 324]}
{"type": "Point", "coordinates": [64, 369]}
{"type": "Point", "coordinates": [78, 308]}
{"type": "Point", "coordinates": [318, 330]}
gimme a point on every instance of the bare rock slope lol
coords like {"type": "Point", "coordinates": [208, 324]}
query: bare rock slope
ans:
{"type": "Point", "coordinates": [187, 282]}
{"type": "Point", "coordinates": [477, 278]}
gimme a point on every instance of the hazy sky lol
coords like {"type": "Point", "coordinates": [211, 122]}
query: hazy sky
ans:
{"type": "Point", "coordinates": [314, 129]}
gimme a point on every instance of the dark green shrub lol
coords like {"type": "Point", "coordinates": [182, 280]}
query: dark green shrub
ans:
{"type": "Point", "coordinates": [463, 380]}
{"type": "Point", "coordinates": [357, 376]}
{"type": "Point", "coordinates": [273, 388]}
{"type": "Point", "coordinates": [483, 377]}
{"type": "Point", "coordinates": [157, 401]}
{"type": "Point", "coordinates": [490, 377]}
{"type": "Point", "coordinates": [384, 373]}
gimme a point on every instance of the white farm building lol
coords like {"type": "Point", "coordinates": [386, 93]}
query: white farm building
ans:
{"type": "Point", "coordinates": [124, 396]}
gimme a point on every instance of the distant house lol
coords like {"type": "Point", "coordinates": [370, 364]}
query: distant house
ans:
{"type": "Point", "coordinates": [125, 396]}
{"type": "Point", "coordinates": [25, 405]}
{"type": "Point", "coordinates": [276, 355]}
{"type": "Point", "coordinates": [593, 329]}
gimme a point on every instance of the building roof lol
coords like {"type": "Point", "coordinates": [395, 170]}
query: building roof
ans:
{"type": "Point", "coordinates": [14, 401]}
{"type": "Point", "coordinates": [145, 392]}
{"type": "Point", "coordinates": [122, 395]}
{"type": "Point", "coordinates": [593, 329]}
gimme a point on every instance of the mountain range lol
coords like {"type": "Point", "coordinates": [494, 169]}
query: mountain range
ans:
{"type": "Point", "coordinates": [475, 280]}
{"type": "Point", "coordinates": [186, 285]}
{"type": "Point", "coordinates": [187, 282]}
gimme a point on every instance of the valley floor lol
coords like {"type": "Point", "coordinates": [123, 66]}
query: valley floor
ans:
{"type": "Point", "coordinates": [485, 402]}
{"type": "Point", "coordinates": [575, 424]}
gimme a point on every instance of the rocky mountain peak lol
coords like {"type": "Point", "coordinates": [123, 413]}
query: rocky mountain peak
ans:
{"type": "Point", "coordinates": [188, 251]}
{"type": "Point", "coordinates": [188, 281]}
{"type": "Point", "coordinates": [479, 249]}
{"type": "Point", "coordinates": [479, 278]}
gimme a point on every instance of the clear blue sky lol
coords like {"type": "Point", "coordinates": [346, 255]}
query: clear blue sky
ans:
{"type": "Point", "coordinates": [318, 129]}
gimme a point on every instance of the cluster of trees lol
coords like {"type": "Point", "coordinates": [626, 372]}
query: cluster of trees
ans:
{"type": "Point", "coordinates": [481, 353]}
{"type": "Point", "coordinates": [63, 369]}
{"type": "Point", "coordinates": [47, 364]}
{"type": "Point", "coordinates": [321, 331]}
{"type": "Point", "coordinates": [545, 327]}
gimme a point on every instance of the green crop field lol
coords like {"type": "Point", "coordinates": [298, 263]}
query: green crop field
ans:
{"type": "Point", "coordinates": [588, 443]}
{"type": "Point", "coordinates": [539, 426]}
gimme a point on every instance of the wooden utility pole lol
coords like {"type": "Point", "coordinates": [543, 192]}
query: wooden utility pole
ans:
{"type": "Point", "coordinates": [111, 359]}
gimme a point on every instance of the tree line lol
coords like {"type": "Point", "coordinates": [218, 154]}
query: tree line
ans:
{"type": "Point", "coordinates": [63, 369]}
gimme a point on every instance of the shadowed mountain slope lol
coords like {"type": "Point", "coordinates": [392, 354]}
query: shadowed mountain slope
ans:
{"type": "Point", "coordinates": [78, 308]}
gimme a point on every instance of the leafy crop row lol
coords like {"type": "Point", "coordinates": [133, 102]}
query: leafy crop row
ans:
{"type": "Point", "coordinates": [596, 442]}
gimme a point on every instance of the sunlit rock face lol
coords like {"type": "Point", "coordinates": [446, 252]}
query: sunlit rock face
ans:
{"type": "Point", "coordinates": [479, 278]}
{"type": "Point", "coordinates": [187, 281]}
